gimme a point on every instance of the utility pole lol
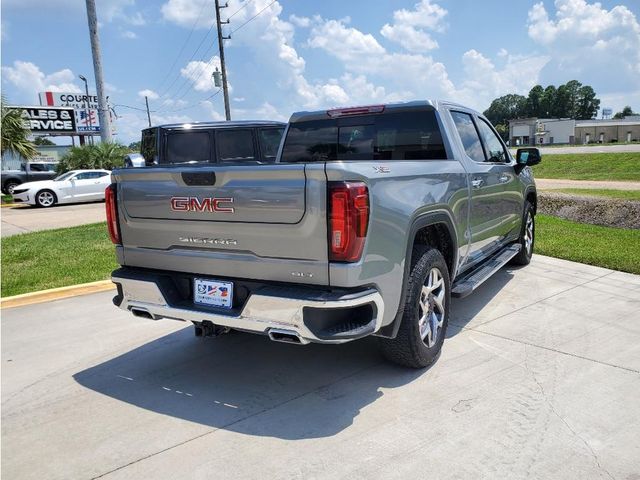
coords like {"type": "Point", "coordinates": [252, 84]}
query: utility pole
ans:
{"type": "Point", "coordinates": [221, 39]}
{"type": "Point", "coordinates": [103, 112]}
{"type": "Point", "coordinates": [146, 100]}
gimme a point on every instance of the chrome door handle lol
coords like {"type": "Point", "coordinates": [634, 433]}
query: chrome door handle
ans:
{"type": "Point", "coordinates": [504, 178]}
{"type": "Point", "coordinates": [477, 182]}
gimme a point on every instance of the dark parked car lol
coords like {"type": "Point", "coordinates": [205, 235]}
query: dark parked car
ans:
{"type": "Point", "coordinates": [212, 142]}
{"type": "Point", "coordinates": [29, 172]}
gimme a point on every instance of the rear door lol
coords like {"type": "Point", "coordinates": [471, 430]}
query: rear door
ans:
{"type": "Point", "coordinates": [488, 214]}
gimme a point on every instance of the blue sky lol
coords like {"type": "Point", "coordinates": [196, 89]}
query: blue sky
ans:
{"type": "Point", "coordinates": [302, 55]}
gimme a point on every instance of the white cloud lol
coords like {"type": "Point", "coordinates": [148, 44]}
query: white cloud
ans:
{"type": "Point", "coordinates": [409, 26]}
{"type": "Point", "coordinates": [302, 22]}
{"type": "Point", "coordinates": [484, 81]}
{"type": "Point", "coordinates": [148, 93]}
{"type": "Point", "coordinates": [589, 43]}
{"type": "Point", "coordinates": [503, 52]}
{"type": "Point", "coordinates": [347, 44]}
{"type": "Point", "coordinates": [111, 88]}
{"type": "Point", "coordinates": [29, 79]}
{"type": "Point", "coordinates": [200, 73]}
{"type": "Point", "coordinates": [186, 13]}
{"type": "Point", "coordinates": [409, 37]}
{"type": "Point", "coordinates": [128, 34]}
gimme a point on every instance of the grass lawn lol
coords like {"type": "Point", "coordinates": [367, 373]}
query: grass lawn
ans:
{"type": "Point", "coordinates": [590, 166]}
{"type": "Point", "coordinates": [68, 256]}
{"type": "Point", "coordinates": [56, 258]}
{"type": "Point", "coordinates": [614, 248]}
{"type": "Point", "coordinates": [601, 192]}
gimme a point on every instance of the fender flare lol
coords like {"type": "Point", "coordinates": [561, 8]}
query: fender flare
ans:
{"type": "Point", "coordinates": [418, 223]}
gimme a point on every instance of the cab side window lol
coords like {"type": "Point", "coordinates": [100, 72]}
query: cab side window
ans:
{"type": "Point", "coordinates": [469, 135]}
{"type": "Point", "coordinates": [494, 148]}
{"type": "Point", "coordinates": [235, 145]}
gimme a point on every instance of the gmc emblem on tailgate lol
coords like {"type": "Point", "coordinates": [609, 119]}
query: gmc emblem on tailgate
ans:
{"type": "Point", "coordinates": [194, 204]}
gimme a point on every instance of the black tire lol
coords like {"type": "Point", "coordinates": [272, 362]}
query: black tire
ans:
{"type": "Point", "coordinates": [526, 248]}
{"type": "Point", "coordinates": [408, 348]}
{"type": "Point", "coordinates": [9, 186]}
{"type": "Point", "coordinates": [43, 196]}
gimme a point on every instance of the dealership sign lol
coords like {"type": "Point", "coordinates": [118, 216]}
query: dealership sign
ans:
{"type": "Point", "coordinates": [74, 100]}
{"type": "Point", "coordinates": [86, 108]}
{"type": "Point", "coordinates": [49, 119]}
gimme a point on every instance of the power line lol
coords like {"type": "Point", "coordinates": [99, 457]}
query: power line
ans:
{"type": "Point", "coordinates": [132, 108]}
{"type": "Point", "coordinates": [190, 59]}
{"type": "Point", "coordinates": [234, 31]}
{"type": "Point", "coordinates": [245, 5]}
{"type": "Point", "coordinates": [193, 27]}
{"type": "Point", "coordinates": [192, 105]}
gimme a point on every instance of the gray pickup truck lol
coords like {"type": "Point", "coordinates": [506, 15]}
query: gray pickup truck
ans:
{"type": "Point", "coordinates": [367, 223]}
{"type": "Point", "coordinates": [29, 172]}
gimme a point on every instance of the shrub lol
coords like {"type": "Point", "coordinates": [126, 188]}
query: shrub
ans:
{"type": "Point", "coordinates": [101, 155]}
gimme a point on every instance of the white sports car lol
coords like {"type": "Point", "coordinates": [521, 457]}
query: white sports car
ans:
{"type": "Point", "coordinates": [71, 187]}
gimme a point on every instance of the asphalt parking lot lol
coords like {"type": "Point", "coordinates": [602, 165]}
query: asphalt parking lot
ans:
{"type": "Point", "coordinates": [539, 378]}
{"type": "Point", "coordinates": [23, 219]}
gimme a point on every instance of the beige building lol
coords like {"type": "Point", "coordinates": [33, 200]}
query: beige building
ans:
{"type": "Point", "coordinates": [606, 131]}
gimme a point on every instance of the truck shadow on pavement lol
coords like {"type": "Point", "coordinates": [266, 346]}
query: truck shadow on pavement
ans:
{"type": "Point", "coordinates": [246, 383]}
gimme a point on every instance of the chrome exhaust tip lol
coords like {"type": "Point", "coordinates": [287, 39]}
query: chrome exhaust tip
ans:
{"type": "Point", "coordinates": [286, 336]}
{"type": "Point", "coordinates": [142, 313]}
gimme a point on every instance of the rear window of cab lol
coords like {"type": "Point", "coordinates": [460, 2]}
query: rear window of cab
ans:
{"type": "Point", "coordinates": [413, 135]}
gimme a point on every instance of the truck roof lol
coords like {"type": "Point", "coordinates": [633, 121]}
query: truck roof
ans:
{"type": "Point", "coordinates": [222, 124]}
{"type": "Point", "coordinates": [427, 104]}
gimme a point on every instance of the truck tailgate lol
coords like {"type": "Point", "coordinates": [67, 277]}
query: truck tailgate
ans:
{"type": "Point", "coordinates": [253, 222]}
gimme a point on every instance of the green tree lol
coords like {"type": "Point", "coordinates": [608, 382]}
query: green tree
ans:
{"type": "Point", "coordinates": [626, 112]}
{"type": "Point", "coordinates": [135, 146]}
{"type": "Point", "coordinates": [42, 141]}
{"type": "Point", "coordinates": [588, 104]}
{"type": "Point", "coordinates": [572, 90]}
{"type": "Point", "coordinates": [506, 108]}
{"type": "Point", "coordinates": [101, 155]}
{"type": "Point", "coordinates": [547, 101]}
{"type": "Point", "coordinates": [534, 102]}
{"type": "Point", "coordinates": [15, 136]}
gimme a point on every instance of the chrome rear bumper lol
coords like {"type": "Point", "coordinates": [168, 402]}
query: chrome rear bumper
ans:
{"type": "Point", "coordinates": [299, 311]}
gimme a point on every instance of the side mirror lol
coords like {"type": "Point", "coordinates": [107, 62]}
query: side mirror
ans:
{"type": "Point", "coordinates": [526, 157]}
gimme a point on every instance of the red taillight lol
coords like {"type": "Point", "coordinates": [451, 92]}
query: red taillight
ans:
{"type": "Point", "coordinates": [112, 213]}
{"type": "Point", "coordinates": [348, 220]}
{"type": "Point", "coordinates": [341, 112]}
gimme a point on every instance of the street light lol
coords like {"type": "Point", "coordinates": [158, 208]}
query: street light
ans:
{"type": "Point", "coordinates": [87, 111]}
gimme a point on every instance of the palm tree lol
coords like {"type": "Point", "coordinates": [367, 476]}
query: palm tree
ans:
{"type": "Point", "coordinates": [15, 134]}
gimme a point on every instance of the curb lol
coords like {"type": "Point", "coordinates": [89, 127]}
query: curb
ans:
{"type": "Point", "coordinates": [56, 294]}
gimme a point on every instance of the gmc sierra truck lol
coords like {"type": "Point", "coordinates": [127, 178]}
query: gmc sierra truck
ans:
{"type": "Point", "coordinates": [368, 221]}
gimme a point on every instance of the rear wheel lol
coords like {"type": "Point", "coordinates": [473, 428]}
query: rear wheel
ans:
{"type": "Point", "coordinates": [45, 198]}
{"type": "Point", "coordinates": [527, 237]}
{"type": "Point", "coordinates": [10, 186]}
{"type": "Point", "coordinates": [426, 313]}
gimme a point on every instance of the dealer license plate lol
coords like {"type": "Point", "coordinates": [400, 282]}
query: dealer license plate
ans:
{"type": "Point", "coordinates": [213, 293]}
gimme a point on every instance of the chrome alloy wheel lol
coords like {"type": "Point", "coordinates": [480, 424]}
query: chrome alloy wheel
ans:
{"type": "Point", "coordinates": [46, 199]}
{"type": "Point", "coordinates": [431, 308]}
{"type": "Point", "coordinates": [528, 234]}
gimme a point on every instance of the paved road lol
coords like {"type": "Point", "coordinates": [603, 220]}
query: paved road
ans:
{"type": "Point", "coordinates": [554, 184]}
{"type": "Point", "coordinates": [539, 378]}
{"type": "Point", "coordinates": [635, 147]}
{"type": "Point", "coordinates": [25, 219]}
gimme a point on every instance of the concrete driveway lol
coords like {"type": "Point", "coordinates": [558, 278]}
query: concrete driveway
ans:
{"type": "Point", "coordinates": [25, 219]}
{"type": "Point", "coordinates": [539, 378]}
